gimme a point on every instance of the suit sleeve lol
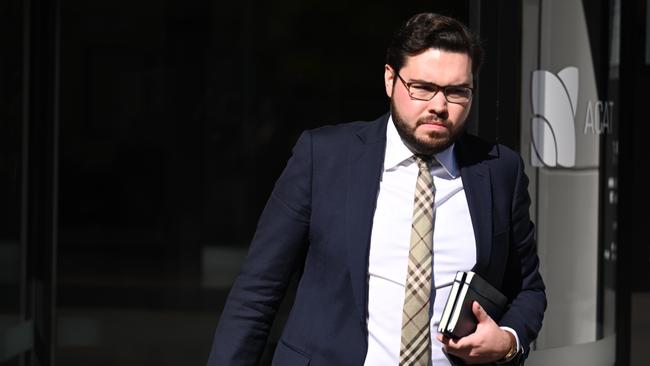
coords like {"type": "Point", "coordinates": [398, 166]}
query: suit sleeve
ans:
{"type": "Point", "coordinates": [522, 275]}
{"type": "Point", "coordinates": [277, 248]}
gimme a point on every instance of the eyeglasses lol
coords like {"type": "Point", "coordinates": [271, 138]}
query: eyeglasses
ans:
{"type": "Point", "coordinates": [426, 91]}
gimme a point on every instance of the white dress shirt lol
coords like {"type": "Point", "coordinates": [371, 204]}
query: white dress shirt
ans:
{"type": "Point", "coordinates": [454, 246]}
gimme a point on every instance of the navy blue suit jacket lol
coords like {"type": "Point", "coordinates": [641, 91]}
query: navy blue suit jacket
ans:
{"type": "Point", "coordinates": [319, 217]}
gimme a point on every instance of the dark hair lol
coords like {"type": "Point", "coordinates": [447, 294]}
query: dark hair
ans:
{"type": "Point", "coordinates": [428, 30]}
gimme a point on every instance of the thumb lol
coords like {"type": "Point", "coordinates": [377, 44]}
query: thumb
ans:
{"type": "Point", "coordinates": [479, 312]}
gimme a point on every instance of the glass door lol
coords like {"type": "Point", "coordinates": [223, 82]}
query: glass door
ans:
{"type": "Point", "coordinates": [28, 181]}
{"type": "Point", "coordinates": [15, 330]}
{"type": "Point", "coordinates": [569, 140]}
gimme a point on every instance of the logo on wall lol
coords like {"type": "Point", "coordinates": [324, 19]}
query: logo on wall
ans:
{"type": "Point", "coordinates": [553, 135]}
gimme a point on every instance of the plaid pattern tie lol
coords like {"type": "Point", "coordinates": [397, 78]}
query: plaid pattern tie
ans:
{"type": "Point", "coordinates": [415, 347]}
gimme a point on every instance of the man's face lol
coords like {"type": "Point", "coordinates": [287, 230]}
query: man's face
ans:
{"type": "Point", "coordinates": [429, 127]}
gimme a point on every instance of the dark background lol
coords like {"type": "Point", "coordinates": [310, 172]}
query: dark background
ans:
{"type": "Point", "coordinates": [139, 143]}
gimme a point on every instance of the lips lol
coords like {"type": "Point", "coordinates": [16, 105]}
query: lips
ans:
{"type": "Point", "coordinates": [433, 128]}
{"type": "Point", "coordinates": [433, 123]}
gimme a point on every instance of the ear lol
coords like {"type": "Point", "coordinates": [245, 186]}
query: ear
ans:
{"type": "Point", "coordinates": [389, 80]}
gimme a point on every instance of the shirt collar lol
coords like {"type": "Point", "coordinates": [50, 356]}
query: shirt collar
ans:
{"type": "Point", "coordinates": [397, 153]}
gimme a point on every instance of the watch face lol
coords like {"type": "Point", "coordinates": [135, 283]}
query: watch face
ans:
{"type": "Point", "coordinates": [511, 354]}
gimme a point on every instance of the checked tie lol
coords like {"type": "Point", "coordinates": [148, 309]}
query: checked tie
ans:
{"type": "Point", "coordinates": [415, 347]}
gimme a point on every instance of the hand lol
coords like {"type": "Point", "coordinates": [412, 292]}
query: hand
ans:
{"type": "Point", "coordinates": [488, 343]}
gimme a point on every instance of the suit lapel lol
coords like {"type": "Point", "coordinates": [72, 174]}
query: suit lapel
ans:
{"type": "Point", "coordinates": [365, 162]}
{"type": "Point", "coordinates": [478, 190]}
{"type": "Point", "coordinates": [476, 181]}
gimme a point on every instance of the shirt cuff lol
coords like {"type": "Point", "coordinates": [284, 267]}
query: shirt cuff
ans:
{"type": "Point", "coordinates": [514, 334]}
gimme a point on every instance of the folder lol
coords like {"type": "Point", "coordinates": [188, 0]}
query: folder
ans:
{"type": "Point", "coordinates": [458, 319]}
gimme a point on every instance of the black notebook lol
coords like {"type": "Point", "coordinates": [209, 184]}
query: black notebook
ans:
{"type": "Point", "coordinates": [458, 319]}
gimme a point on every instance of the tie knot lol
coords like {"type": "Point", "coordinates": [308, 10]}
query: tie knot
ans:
{"type": "Point", "coordinates": [424, 162]}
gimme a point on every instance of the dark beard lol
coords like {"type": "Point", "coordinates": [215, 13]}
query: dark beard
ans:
{"type": "Point", "coordinates": [423, 147]}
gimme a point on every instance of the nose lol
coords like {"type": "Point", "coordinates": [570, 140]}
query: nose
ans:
{"type": "Point", "coordinates": [438, 104]}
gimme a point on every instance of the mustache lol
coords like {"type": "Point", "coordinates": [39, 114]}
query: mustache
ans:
{"type": "Point", "coordinates": [440, 119]}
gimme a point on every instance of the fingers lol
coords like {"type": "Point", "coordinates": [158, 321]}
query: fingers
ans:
{"type": "Point", "coordinates": [480, 313]}
{"type": "Point", "coordinates": [447, 341]}
{"type": "Point", "coordinates": [459, 347]}
{"type": "Point", "coordinates": [462, 346]}
{"type": "Point", "coordinates": [453, 344]}
{"type": "Point", "coordinates": [485, 345]}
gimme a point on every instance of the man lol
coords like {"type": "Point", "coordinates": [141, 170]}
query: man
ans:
{"type": "Point", "coordinates": [380, 215]}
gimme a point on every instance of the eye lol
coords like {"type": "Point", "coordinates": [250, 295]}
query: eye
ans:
{"type": "Point", "coordinates": [428, 88]}
{"type": "Point", "coordinates": [458, 91]}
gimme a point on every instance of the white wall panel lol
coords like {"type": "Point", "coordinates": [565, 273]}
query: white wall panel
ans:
{"type": "Point", "coordinates": [568, 250]}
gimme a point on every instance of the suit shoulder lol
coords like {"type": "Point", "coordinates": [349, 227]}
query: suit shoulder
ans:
{"type": "Point", "coordinates": [340, 129]}
{"type": "Point", "coordinates": [337, 129]}
{"type": "Point", "coordinates": [367, 131]}
{"type": "Point", "coordinates": [506, 153]}
{"type": "Point", "coordinates": [483, 149]}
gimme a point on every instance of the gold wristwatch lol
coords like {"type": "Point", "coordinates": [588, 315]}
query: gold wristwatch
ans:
{"type": "Point", "coordinates": [510, 355]}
